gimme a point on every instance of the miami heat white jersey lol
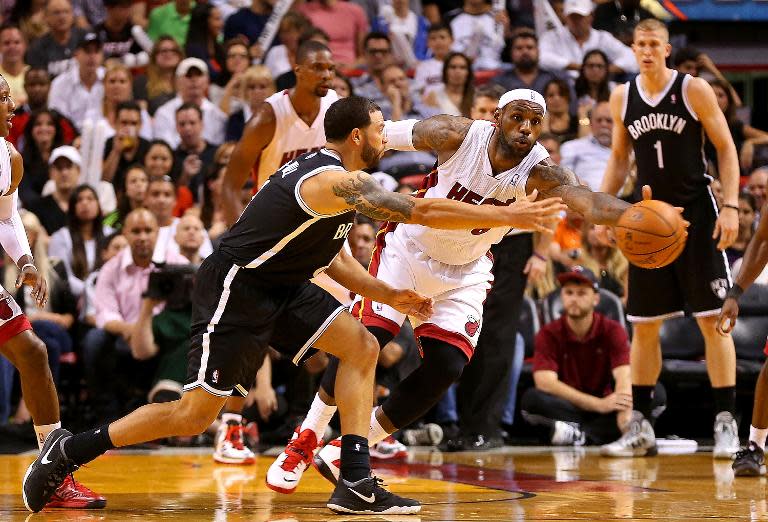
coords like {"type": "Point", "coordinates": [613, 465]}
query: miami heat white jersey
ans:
{"type": "Point", "coordinates": [467, 176]}
{"type": "Point", "coordinates": [292, 135]}
{"type": "Point", "coordinates": [5, 167]}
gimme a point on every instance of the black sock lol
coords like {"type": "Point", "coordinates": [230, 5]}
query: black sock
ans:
{"type": "Point", "coordinates": [642, 397]}
{"type": "Point", "coordinates": [725, 399]}
{"type": "Point", "coordinates": [355, 459]}
{"type": "Point", "coordinates": [84, 447]}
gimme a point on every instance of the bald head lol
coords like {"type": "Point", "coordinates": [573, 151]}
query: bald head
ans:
{"type": "Point", "coordinates": [757, 185]}
{"type": "Point", "coordinates": [140, 229]}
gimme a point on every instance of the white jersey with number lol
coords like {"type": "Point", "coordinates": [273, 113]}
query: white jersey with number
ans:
{"type": "Point", "coordinates": [292, 134]}
{"type": "Point", "coordinates": [467, 176]}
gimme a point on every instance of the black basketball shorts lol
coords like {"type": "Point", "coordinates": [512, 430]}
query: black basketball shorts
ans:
{"type": "Point", "coordinates": [695, 283]}
{"type": "Point", "coordinates": [235, 319]}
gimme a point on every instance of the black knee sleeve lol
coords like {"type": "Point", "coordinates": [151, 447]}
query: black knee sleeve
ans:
{"type": "Point", "coordinates": [328, 383]}
{"type": "Point", "coordinates": [440, 367]}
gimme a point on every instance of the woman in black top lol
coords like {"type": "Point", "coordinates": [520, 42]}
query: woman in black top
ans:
{"type": "Point", "coordinates": [42, 134]}
{"type": "Point", "coordinates": [558, 121]}
{"type": "Point", "coordinates": [205, 29]}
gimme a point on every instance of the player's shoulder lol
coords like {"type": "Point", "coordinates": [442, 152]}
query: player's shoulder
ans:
{"type": "Point", "coordinates": [696, 86]}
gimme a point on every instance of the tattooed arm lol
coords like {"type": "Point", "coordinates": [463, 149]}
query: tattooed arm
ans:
{"type": "Point", "coordinates": [442, 134]}
{"type": "Point", "coordinates": [336, 191]}
{"type": "Point", "coordinates": [552, 180]}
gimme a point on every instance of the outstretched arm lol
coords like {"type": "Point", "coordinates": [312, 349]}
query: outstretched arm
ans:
{"type": "Point", "coordinates": [552, 180]}
{"type": "Point", "coordinates": [442, 134]}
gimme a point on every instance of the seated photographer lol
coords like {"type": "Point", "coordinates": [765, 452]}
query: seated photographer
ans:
{"type": "Point", "coordinates": [109, 365]}
{"type": "Point", "coordinates": [583, 391]}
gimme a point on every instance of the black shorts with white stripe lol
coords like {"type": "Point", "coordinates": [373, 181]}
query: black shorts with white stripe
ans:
{"type": "Point", "coordinates": [235, 318]}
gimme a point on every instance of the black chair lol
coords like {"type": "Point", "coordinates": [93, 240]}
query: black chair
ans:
{"type": "Point", "coordinates": [609, 305]}
{"type": "Point", "coordinates": [752, 324]}
{"type": "Point", "coordinates": [529, 324]}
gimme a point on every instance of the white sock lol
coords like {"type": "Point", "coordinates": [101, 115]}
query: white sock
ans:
{"type": "Point", "coordinates": [43, 431]}
{"type": "Point", "coordinates": [231, 417]}
{"type": "Point", "coordinates": [758, 435]}
{"type": "Point", "coordinates": [377, 433]}
{"type": "Point", "coordinates": [318, 417]}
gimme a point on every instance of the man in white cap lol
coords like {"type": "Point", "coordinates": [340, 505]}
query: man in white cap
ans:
{"type": "Point", "coordinates": [64, 170]}
{"type": "Point", "coordinates": [479, 162]}
{"type": "Point", "coordinates": [192, 83]}
{"type": "Point", "coordinates": [565, 50]}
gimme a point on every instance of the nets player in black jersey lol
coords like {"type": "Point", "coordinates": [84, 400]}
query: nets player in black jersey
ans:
{"type": "Point", "coordinates": [254, 291]}
{"type": "Point", "coordinates": [663, 116]}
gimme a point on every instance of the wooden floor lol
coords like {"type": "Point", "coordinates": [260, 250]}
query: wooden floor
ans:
{"type": "Point", "coordinates": [513, 484]}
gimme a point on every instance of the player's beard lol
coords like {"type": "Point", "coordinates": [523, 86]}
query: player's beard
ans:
{"type": "Point", "coordinates": [370, 155]}
{"type": "Point", "coordinates": [507, 148]}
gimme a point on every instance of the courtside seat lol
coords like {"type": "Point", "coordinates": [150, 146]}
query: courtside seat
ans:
{"type": "Point", "coordinates": [529, 324]}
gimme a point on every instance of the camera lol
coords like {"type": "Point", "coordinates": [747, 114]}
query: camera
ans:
{"type": "Point", "coordinates": [172, 284]}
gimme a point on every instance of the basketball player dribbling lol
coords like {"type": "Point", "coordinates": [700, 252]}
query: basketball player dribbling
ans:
{"type": "Point", "coordinates": [663, 116]}
{"type": "Point", "coordinates": [18, 343]}
{"type": "Point", "coordinates": [479, 162]}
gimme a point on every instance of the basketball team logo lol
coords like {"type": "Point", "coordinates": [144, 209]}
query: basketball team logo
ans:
{"type": "Point", "coordinates": [719, 287]}
{"type": "Point", "coordinates": [472, 325]}
{"type": "Point", "coordinates": [6, 311]}
{"type": "Point", "coordinates": [215, 376]}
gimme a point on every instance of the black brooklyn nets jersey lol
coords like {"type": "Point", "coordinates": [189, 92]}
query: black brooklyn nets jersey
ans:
{"type": "Point", "coordinates": [668, 141]}
{"type": "Point", "coordinates": [278, 236]}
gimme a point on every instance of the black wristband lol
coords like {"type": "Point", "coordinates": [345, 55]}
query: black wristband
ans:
{"type": "Point", "coordinates": [735, 292]}
{"type": "Point", "coordinates": [734, 207]}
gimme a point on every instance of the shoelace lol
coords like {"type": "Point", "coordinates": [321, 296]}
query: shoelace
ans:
{"type": "Point", "coordinates": [746, 452]}
{"type": "Point", "coordinates": [235, 435]}
{"type": "Point", "coordinates": [296, 452]}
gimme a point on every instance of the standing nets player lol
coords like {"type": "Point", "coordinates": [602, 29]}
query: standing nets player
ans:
{"type": "Point", "coordinates": [663, 115]}
{"type": "Point", "coordinates": [254, 291]}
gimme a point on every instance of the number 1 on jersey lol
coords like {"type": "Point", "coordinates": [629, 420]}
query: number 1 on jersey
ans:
{"type": "Point", "coordinates": [659, 155]}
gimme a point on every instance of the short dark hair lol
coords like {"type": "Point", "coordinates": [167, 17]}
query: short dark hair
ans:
{"type": "Point", "coordinates": [190, 106]}
{"type": "Point", "coordinates": [685, 54]}
{"type": "Point", "coordinates": [376, 35]}
{"type": "Point", "coordinates": [490, 90]}
{"type": "Point", "coordinates": [9, 26]}
{"type": "Point", "coordinates": [750, 199]}
{"type": "Point", "coordinates": [524, 32]}
{"type": "Point", "coordinates": [440, 26]}
{"type": "Point", "coordinates": [310, 46]}
{"type": "Point", "coordinates": [312, 32]}
{"type": "Point", "coordinates": [347, 114]}
{"type": "Point", "coordinates": [128, 105]}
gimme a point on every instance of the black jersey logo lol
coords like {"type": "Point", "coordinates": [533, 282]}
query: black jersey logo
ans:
{"type": "Point", "coordinates": [654, 121]}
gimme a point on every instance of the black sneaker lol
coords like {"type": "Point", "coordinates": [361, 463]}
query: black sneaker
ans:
{"type": "Point", "coordinates": [366, 496]}
{"type": "Point", "coordinates": [749, 462]}
{"type": "Point", "coordinates": [47, 472]}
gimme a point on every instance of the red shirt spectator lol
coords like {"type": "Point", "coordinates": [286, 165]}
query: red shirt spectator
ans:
{"type": "Point", "coordinates": [346, 38]}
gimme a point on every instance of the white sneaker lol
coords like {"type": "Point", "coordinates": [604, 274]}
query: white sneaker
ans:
{"type": "Point", "coordinates": [285, 472]}
{"type": "Point", "coordinates": [328, 461]}
{"type": "Point", "coordinates": [567, 434]}
{"type": "Point", "coordinates": [638, 441]}
{"type": "Point", "coordinates": [428, 435]}
{"type": "Point", "coordinates": [726, 436]}
{"type": "Point", "coordinates": [229, 447]}
{"type": "Point", "coordinates": [389, 448]}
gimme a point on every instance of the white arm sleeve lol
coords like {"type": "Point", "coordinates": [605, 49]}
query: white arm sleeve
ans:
{"type": "Point", "coordinates": [13, 238]}
{"type": "Point", "coordinates": [399, 134]}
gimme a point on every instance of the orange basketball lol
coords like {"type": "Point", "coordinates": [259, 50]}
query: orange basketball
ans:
{"type": "Point", "coordinates": [651, 234]}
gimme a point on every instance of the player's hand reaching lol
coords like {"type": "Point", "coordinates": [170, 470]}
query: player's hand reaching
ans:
{"type": "Point", "coordinates": [28, 275]}
{"type": "Point", "coordinates": [539, 216]}
{"type": "Point", "coordinates": [411, 303]}
{"type": "Point", "coordinates": [726, 227]}
{"type": "Point", "coordinates": [728, 314]}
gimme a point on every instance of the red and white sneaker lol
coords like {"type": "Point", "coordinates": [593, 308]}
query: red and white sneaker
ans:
{"type": "Point", "coordinates": [229, 447]}
{"type": "Point", "coordinates": [73, 495]}
{"type": "Point", "coordinates": [285, 472]}
{"type": "Point", "coordinates": [389, 448]}
{"type": "Point", "coordinates": [328, 461]}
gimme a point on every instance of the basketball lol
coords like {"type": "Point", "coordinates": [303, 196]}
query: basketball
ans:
{"type": "Point", "coordinates": [651, 234]}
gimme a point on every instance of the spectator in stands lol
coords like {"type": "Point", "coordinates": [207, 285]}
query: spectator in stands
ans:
{"type": "Point", "coordinates": [172, 19]}
{"type": "Point", "coordinates": [126, 147]}
{"type": "Point", "coordinates": [689, 60]}
{"type": "Point", "coordinates": [429, 71]}
{"type": "Point", "coordinates": [89, 13]}
{"type": "Point", "coordinates": [558, 120]}
{"type": "Point", "coordinates": [747, 214]}
{"type": "Point", "coordinates": [348, 39]}
{"type": "Point", "coordinates": [620, 18]}
{"type": "Point", "coordinates": [157, 86]}
{"type": "Point", "coordinates": [476, 34]}
{"type": "Point", "coordinates": [524, 55]}
{"type": "Point", "coordinates": [588, 156]}
{"type": "Point", "coordinates": [205, 25]}
{"type": "Point", "coordinates": [159, 161]}
{"type": "Point", "coordinates": [74, 92]}
{"type": "Point", "coordinates": [397, 88]}
{"type": "Point", "coordinates": [605, 261]}
{"type": "Point", "coordinates": [566, 245]}
{"type": "Point", "coordinates": [575, 359]}
{"type": "Point", "coordinates": [281, 58]}
{"type": "Point", "coordinates": [193, 151]}
{"type": "Point", "coordinates": [78, 245]}
{"type": "Point", "coordinates": [758, 180]}
{"type": "Point", "coordinates": [407, 31]}
{"type": "Point", "coordinates": [486, 101]}
{"type": "Point", "coordinates": [342, 85]}
{"type": "Point", "coordinates": [564, 50]}
{"type": "Point", "coordinates": [228, 97]}
{"type": "Point", "coordinates": [64, 172]}
{"type": "Point", "coordinates": [454, 96]}
{"type": "Point", "coordinates": [115, 33]}
{"type": "Point", "coordinates": [192, 82]}
{"type": "Point", "coordinates": [13, 46]}
{"type": "Point", "coordinates": [552, 144]}
{"type": "Point", "coordinates": [211, 212]}
{"type": "Point", "coordinates": [256, 85]}
{"type": "Point", "coordinates": [378, 55]}
{"type": "Point", "coordinates": [593, 84]}
{"type": "Point", "coordinates": [107, 355]}
{"type": "Point", "coordinates": [249, 22]}
{"type": "Point", "coordinates": [113, 244]}
{"type": "Point", "coordinates": [53, 51]}
{"type": "Point", "coordinates": [190, 235]}
{"type": "Point", "coordinates": [136, 181]}
{"type": "Point", "coordinates": [41, 136]}
{"type": "Point", "coordinates": [30, 17]}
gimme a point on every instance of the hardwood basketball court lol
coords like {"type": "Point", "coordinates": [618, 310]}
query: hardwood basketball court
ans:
{"type": "Point", "coordinates": [513, 484]}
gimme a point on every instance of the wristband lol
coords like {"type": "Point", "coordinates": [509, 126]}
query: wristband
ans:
{"type": "Point", "coordinates": [735, 292]}
{"type": "Point", "coordinates": [25, 265]}
{"type": "Point", "coordinates": [539, 256]}
{"type": "Point", "coordinates": [734, 207]}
